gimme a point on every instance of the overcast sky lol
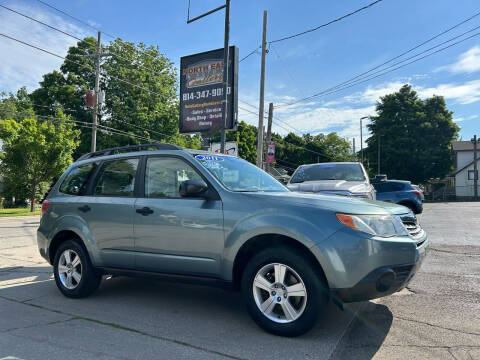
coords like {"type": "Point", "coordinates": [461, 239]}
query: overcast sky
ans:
{"type": "Point", "coordinates": [296, 68]}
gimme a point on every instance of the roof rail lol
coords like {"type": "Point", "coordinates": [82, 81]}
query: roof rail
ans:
{"type": "Point", "coordinates": [120, 149]}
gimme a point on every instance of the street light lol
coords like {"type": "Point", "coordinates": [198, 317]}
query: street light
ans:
{"type": "Point", "coordinates": [361, 136]}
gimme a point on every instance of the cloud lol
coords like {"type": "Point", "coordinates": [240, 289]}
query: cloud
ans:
{"type": "Point", "coordinates": [468, 62]}
{"type": "Point", "coordinates": [465, 93]}
{"type": "Point", "coordinates": [22, 65]}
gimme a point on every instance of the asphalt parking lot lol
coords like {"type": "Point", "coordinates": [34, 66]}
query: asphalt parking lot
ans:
{"type": "Point", "coordinates": [436, 317]}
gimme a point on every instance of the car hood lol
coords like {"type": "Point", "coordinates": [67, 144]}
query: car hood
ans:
{"type": "Point", "coordinates": [331, 185]}
{"type": "Point", "coordinates": [341, 204]}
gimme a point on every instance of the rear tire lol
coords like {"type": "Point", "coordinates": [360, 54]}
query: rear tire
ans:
{"type": "Point", "coordinates": [74, 273]}
{"type": "Point", "coordinates": [291, 299]}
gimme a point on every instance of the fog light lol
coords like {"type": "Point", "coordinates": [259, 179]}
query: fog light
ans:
{"type": "Point", "coordinates": [385, 281]}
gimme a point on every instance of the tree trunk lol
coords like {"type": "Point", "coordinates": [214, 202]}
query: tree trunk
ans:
{"type": "Point", "coordinates": [32, 198]}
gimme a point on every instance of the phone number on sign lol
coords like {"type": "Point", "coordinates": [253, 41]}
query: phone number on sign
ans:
{"type": "Point", "coordinates": [204, 94]}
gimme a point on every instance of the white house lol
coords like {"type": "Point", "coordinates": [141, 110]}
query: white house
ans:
{"type": "Point", "coordinates": [464, 173]}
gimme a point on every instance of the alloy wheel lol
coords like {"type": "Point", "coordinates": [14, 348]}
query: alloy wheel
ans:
{"type": "Point", "coordinates": [280, 293]}
{"type": "Point", "coordinates": [70, 269]}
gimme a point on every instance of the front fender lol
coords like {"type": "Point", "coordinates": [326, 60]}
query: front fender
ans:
{"type": "Point", "coordinates": [296, 227]}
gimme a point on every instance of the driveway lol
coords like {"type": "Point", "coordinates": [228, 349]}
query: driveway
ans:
{"type": "Point", "coordinates": [437, 317]}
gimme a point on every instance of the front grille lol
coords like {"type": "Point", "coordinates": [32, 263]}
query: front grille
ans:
{"type": "Point", "coordinates": [411, 224]}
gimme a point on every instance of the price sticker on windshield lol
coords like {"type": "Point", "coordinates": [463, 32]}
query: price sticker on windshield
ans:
{"type": "Point", "coordinates": [209, 158]}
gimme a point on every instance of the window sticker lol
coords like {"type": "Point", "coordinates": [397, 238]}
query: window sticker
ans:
{"type": "Point", "coordinates": [209, 158]}
{"type": "Point", "coordinates": [212, 165]}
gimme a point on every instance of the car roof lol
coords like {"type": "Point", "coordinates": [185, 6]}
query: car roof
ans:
{"type": "Point", "coordinates": [334, 163]}
{"type": "Point", "coordinates": [119, 155]}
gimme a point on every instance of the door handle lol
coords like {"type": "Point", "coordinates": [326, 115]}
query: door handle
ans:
{"type": "Point", "coordinates": [84, 208]}
{"type": "Point", "coordinates": [145, 211]}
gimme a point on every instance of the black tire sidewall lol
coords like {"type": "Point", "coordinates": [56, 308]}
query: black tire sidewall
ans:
{"type": "Point", "coordinates": [89, 281]}
{"type": "Point", "coordinates": [316, 290]}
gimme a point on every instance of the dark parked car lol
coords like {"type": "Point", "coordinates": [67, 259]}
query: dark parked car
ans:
{"type": "Point", "coordinates": [400, 192]}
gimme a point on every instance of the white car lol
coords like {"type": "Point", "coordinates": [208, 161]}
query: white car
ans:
{"type": "Point", "coordinates": [334, 178]}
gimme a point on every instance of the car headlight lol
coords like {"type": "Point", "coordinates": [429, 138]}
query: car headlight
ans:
{"type": "Point", "coordinates": [377, 225]}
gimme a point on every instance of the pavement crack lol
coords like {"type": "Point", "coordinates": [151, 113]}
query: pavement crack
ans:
{"type": "Point", "coordinates": [453, 252]}
{"type": "Point", "coordinates": [37, 325]}
{"type": "Point", "coordinates": [437, 326]}
{"type": "Point", "coordinates": [133, 330]}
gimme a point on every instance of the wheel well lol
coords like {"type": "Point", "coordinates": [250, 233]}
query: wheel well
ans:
{"type": "Point", "coordinates": [59, 238]}
{"type": "Point", "coordinates": [264, 241]}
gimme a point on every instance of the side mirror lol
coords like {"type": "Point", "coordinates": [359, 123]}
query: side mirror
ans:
{"type": "Point", "coordinates": [193, 188]}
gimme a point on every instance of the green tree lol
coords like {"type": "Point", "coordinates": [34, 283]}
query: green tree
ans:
{"type": "Point", "coordinates": [415, 136]}
{"type": "Point", "coordinates": [246, 138]}
{"type": "Point", "coordinates": [34, 152]}
{"type": "Point", "coordinates": [149, 109]}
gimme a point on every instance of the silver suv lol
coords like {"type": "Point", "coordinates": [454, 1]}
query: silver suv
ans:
{"type": "Point", "coordinates": [160, 210]}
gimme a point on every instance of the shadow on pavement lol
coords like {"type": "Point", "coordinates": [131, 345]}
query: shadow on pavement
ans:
{"type": "Point", "coordinates": [366, 334]}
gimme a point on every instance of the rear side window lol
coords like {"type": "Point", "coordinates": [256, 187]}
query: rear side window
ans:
{"type": "Point", "coordinates": [117, 178]}
{"type": "Point", "coordinates": [163, 176]}
{"type": "Point", "coordinates": [76, 181]}
{"type": "Point", "coordinates": [388, 187]}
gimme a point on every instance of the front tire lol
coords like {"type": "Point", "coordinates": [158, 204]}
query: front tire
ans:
{"type": "Point", "coordinates": [74, 274]}
{"type": "Point", "coordinates": [283, 292]}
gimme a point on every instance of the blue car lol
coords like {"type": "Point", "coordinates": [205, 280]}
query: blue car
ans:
{"type": "Point", "coordinates": [400, 192]}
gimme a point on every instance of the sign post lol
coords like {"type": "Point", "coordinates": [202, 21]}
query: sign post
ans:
{"type": "Point", "coordinates": [202, 92]}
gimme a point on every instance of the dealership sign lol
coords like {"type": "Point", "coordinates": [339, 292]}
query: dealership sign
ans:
{"type": "Point", "coordinates": [201, 91]}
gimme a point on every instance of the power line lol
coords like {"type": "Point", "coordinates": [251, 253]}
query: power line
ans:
{"type": "Point", "coordinates": [40, 22]}
{"type": "Point", "coordinates": [72, 17]}
{"type": "Point", "coordinates": [276, 118]}
{"type": "Point", "coordinates": [326, 24]}
{"type": "Point", "coordinates": [82, 40]}
{"type": "Point", "coordinates": [386, 62]}
{"type": "Point", "coordinates": [109, 119]}
{"type": "Point", "coordinates": [250, 53]}
{"type": "Point", "coordinates": [40, 49]}
{"type": "Point", "coordinates": [87, 24]}
{"type": "Point", "coordinates": [328, 92]}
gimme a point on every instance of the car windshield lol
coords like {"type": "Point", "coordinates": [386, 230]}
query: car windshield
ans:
{"type": "Point", "coordinates": [239, 175]}
{"type": "Point", "coordinates": [318, 172]}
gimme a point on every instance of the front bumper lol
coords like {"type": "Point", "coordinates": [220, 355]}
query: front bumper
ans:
{"type": "Point", "coordinates": [382, 281]}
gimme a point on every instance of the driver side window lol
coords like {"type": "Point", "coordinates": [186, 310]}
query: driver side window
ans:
{"type": "Point", "coordinates": [164, 175]}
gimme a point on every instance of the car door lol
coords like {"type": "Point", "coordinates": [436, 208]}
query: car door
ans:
{"type": "Point", "coordinates": [175, 234]}
{"type": "Point", "coordinates": [108, 210]}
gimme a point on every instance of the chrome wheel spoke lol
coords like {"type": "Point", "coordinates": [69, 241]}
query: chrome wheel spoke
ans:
{"type": "Point", "coordinates": [76, 275]}
{"type": "Point", "coordinates": [296, 290]}
{"type": "Point", "coordinates": [268, 305]}
{"type": "Point", "coordinates": [262, 283]}
{"type": "Point", "coordinates": [68, 281]}
{"type": "Point", "coordinates": [68, 258]}
{"type": "Point", "coordinates": [280, 271]}
{"type": "Point", "coordinates": [288, 310]}
{"type": "Point", "coordinates": [62, 269]}
{"type": "Point", "coordinates": [76, 261]}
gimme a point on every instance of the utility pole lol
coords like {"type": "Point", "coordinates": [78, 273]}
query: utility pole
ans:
{"type": "Point", "coordinates": [225, 75]}
{"type": "Point", "coordinates": [269, 129]}
{"type": "Point", "coordinates": [262, 94]}
{"type": "Point", "coordinates": [378, 159]}
{"type": "Point", "coordinates": [354, 154]}
{"type": "Point", "coordinates": [361, 137]}
{"type": "Point", "coordinates": [475, 169]}
{"type": "Point", "coordinates": [97, 89]}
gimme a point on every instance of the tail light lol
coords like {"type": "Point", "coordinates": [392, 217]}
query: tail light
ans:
{"type": "Point", "coordinates": [416, 192]}
{"type": "Point", "coordinates": [45, 206]}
